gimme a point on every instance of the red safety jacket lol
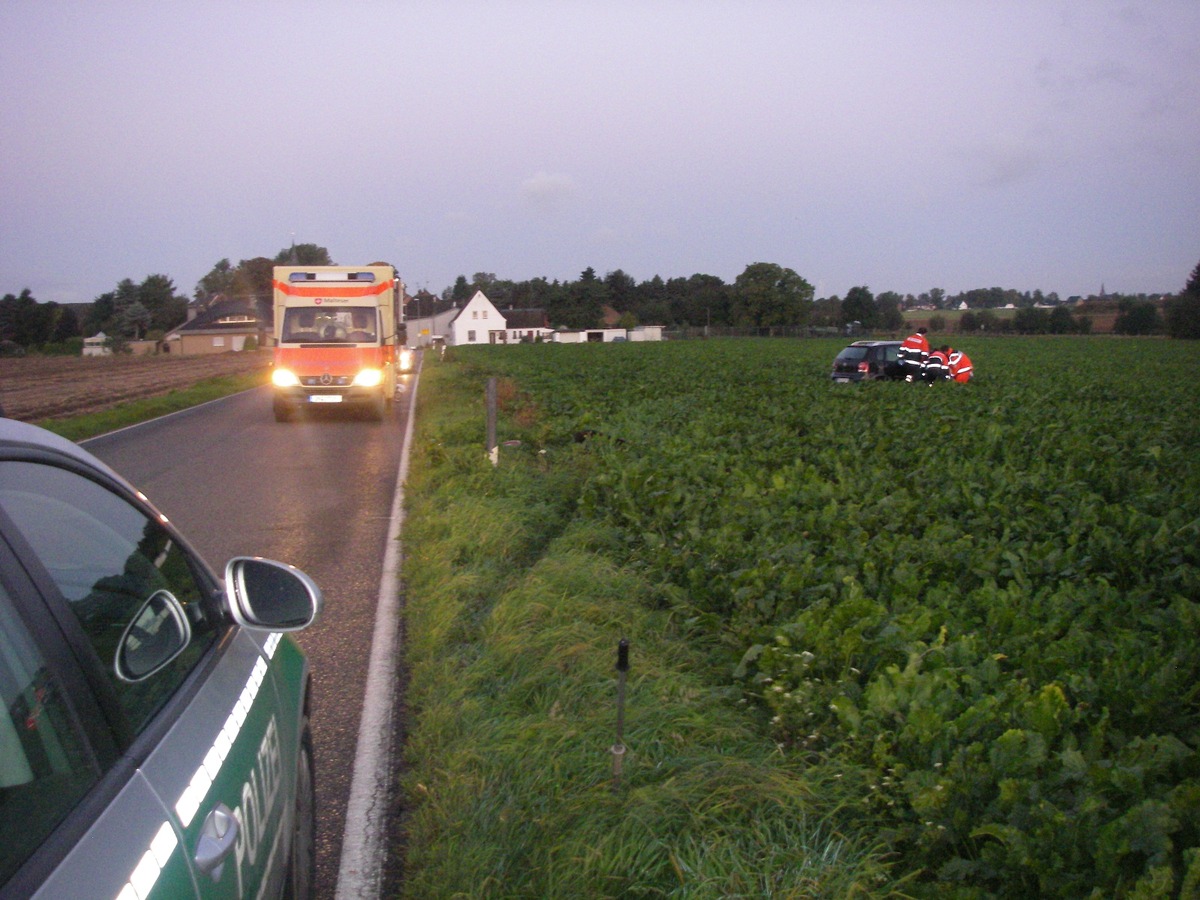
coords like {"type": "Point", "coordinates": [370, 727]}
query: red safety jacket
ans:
{"type": "Point", "coordinates": [914, 348]}
{"type": "Point", "coordinates": [960, 366]}
{"type": "Point", "coordinates": [937, 366]}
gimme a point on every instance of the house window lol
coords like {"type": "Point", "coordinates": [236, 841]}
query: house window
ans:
{"type": "Point", "coordinates": [474, 314]}
{"type": "Point", "coordinates": [470, 337]}
{"type": "Point", "coordinates": [218, 342]}
{"type": "Point", "coordinates": [484, 315]}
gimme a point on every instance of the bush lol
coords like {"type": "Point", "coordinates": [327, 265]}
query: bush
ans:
{"type": "Point", "coordinates": [1183, 315]}
{"type": "Point", "coordinates": [72, 346]}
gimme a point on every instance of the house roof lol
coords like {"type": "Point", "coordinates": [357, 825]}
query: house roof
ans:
{"type": "Point", "coordinates": [235, 309]}
{"type": "Point", "coordinates": [525, 318]}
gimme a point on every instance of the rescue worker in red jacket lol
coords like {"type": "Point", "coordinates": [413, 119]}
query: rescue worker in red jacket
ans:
{"type": "Point", "coordinates": [937, 365]}
{"type": "Point", "coordinates": [959, 367]}
{"type": "Point", "coordinates": [913, 352]}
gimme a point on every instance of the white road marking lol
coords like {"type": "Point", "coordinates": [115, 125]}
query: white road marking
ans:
{"type": "Point", "coordinates": [360, 874]}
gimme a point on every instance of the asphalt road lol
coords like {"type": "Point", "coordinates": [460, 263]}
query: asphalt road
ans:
{"type": "Point", "coordinates": [316, 493]}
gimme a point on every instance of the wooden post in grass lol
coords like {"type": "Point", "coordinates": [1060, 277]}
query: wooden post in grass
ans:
{"type": "Point", "coordinates": [493, 450]}
{"type": "Point", "coordinates": [618, 749]}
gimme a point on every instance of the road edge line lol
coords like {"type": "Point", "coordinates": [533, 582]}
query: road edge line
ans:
{"type": "Point", "coordinates": [360, 872]}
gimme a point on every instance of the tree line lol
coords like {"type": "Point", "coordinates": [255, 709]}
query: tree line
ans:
{"type": "Point", "coordinates": [764, 295]}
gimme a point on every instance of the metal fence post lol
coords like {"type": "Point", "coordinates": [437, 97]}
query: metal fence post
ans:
{"type": "Point", "coordinates": [618, 749]}
{"type": "Point", "coordinates": [493, 450]}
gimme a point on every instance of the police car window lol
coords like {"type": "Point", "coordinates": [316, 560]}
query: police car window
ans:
{"type": "Point", "coordinates": [107, 558]}
{"type": "Point", "coordinates": [44, 769]}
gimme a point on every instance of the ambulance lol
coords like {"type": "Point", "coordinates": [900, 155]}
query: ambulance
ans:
{"type": "Point", "coordinates": [336, 340]}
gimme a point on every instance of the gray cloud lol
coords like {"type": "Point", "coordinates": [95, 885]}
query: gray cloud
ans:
{"type": "Point", "coordinates": [548, 190]}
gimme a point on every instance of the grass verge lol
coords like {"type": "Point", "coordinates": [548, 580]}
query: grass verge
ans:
{"type": "Point", "coordinates": [514, 609]}
{"type": "Point", "coordinates": [80, 428]}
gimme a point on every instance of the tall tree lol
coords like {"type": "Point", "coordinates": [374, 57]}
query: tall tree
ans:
{"type": "Point", "coordinates": [887, 309]}
{"type": "Point", "coordinates": [766, 294]}
{"type": "Point", "coordinates": [859, 306]}
{"type": "Point", "coordinates": [1136, 317]}
{"type": "Point", "coordinates": [461, 292]}
{"type": "Point", "coordinates": [583, 301]}
{"type": "Point", "coordinates": [622, 290]}
{"type": "Point", "coordinates": [65, 326]}
{"type": "Point", "coordinates": [166, 309]}
{"type": "Point", "coordinates": [253, 279]}
{"type": "Point", "coordinates": [97, 317]}
{"type": "Point", "coordinates": [537, 293]}
{"type": "Point", "coordinates": [135, 320]}
{"type": "Point", "coordinates": [25, 321]}
{"type": "Point", "coordinates": [122, 324]}
{"type": "Point", "coordinates": [304, 255]}
{"type": "Point", "coordinates": [217, 283]}
{"type": "Point", "coordinates": [705, 301]}
{"type": "Point", "coordinates": [1183, 310]}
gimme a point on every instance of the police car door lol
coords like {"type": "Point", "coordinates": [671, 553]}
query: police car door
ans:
{"type": "Point", "coordinates": [191, 800]}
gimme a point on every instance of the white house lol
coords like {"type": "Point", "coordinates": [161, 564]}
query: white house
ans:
{"type": "Point", "coordinates": [479, 322]}
{"type": "Point", "coordinates": [95, 346]}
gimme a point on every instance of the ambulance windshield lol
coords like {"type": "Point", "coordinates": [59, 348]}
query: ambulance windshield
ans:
{"type": "Point", "coordinates": [329, 325]}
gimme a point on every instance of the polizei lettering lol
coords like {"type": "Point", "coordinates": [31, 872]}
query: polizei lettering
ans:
{"type": "Point", "coordinates": [259, 796]}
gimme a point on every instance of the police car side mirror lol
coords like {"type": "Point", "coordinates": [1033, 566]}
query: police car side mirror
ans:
{"type": "Point", "coordinates": [158, 633]}
{"type": "Point", "coordinates": [270, 596]}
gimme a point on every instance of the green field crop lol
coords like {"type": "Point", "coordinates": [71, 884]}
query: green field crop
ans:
{"type": "Point", "coordinates": [973, 608]}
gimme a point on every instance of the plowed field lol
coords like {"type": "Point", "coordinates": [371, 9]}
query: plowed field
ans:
{"type": "Point", "coordinates": [51, 387]}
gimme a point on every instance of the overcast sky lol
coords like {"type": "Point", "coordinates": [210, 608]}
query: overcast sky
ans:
{"type": "Point", "coordinates": [1046, 144]}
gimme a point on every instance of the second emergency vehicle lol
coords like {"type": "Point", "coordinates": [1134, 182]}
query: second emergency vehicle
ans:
{"type": "Point", "coordinates": [336, 338]}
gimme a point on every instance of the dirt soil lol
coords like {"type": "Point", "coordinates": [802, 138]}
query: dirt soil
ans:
{"type": "Point", "coordinates": [51, 387]}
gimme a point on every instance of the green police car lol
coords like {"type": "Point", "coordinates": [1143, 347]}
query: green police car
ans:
{"type": "Point", "coordinates": [154, 740]}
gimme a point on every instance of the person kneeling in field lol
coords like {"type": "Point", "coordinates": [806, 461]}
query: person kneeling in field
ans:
{"type": "Point", "coordinates": [959, 367]}
{"type": "Point", "coordinates": [937, 366]}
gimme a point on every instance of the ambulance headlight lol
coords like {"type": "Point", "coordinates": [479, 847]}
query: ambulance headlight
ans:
{"type": "Point", "coordinates": [368, 378]}
{"type": "Point", "coordinates": [284, 378]}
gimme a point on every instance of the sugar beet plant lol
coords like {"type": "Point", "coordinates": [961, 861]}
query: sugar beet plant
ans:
{"type": "Point", "coordinates": [974, 608]}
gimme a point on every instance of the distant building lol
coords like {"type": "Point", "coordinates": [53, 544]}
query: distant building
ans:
{"type": "Point", "coordinates": [225, 325]}
{"type": "Point", "coordinates": [646, 333]}
{"type": "Point", "coordinates": [478, 322]}
{"type": "Point", "coordinates": [591, 336]}
{"type": "Point", "coordinates": [526, 326]}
